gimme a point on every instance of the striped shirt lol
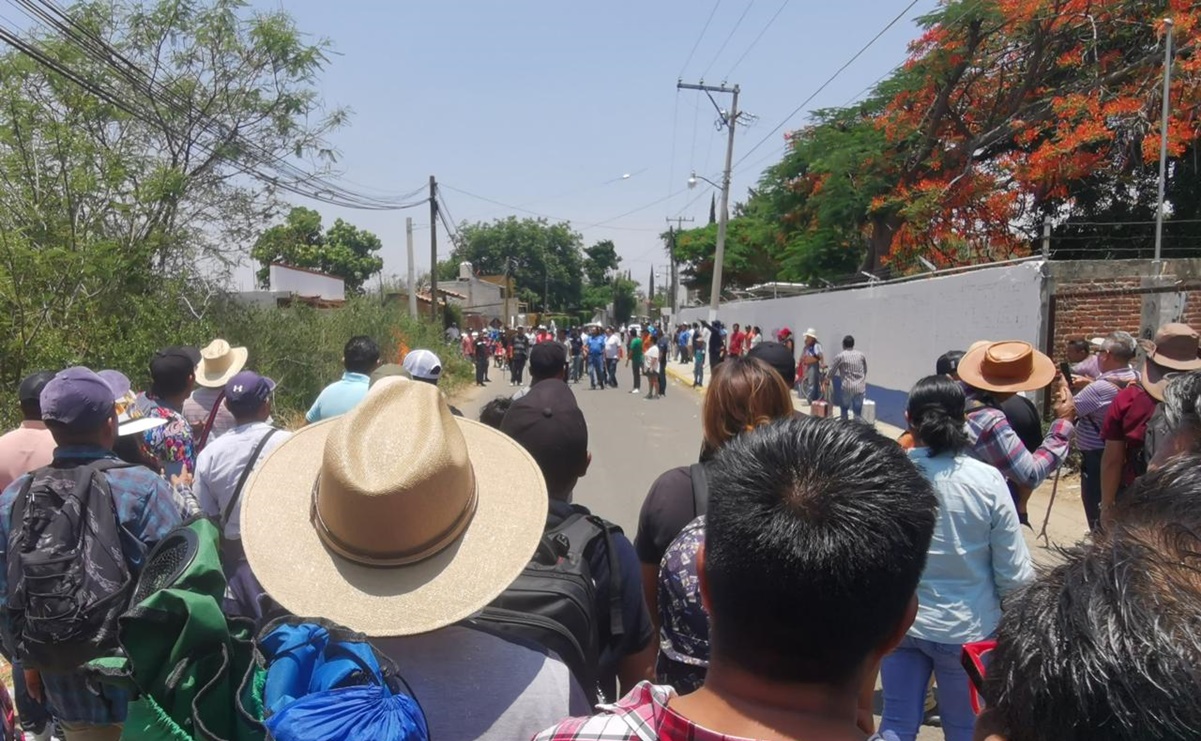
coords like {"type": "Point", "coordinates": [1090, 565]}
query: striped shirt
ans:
{"type": "Point", "coordinates": [1092, 404]}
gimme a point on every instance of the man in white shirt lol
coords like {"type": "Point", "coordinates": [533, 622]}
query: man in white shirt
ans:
{"type": "Point", "coordinates": [223, 468]}
{"type": "Point", "coordinates": [612, 355]}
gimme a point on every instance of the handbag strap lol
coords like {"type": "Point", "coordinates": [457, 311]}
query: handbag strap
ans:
{"type": "Point", "coordinates": [700, 489]}
{"type": "Point", "coordinates": [208, 423]}
{"type": "Point", "coordinates": [254, 458]}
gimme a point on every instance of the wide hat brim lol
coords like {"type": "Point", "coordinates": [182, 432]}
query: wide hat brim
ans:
{"type": "Point", "coordinates": [214, 379]}
{"type": "Point", "coordinates": [971, 371]}
{"type": "Point", "coordinates": [1155, 378]}
{"type": "Point", "coordinates": [296, 569]}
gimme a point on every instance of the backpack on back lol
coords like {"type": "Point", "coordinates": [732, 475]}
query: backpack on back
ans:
{"type": "Point", "coordinates": [553, 603]}
{"type": "Point", "coordinates": [1156, 434]}
{"type": "Point", "coordinates": [67, 575]}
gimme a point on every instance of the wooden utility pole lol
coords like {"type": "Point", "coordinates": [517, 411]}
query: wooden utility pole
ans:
{"type": "Point", "coordinates": [433, 249]}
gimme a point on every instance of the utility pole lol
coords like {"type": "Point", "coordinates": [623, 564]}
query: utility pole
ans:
{"type": "Point", "coordinates": [433, 249]}
{"type": "Point", "coordinates": [675, 275]}
{"type": "Point", "coordinates": [508, 262]}
{"type": "Point", "coordinates": [412, 268]}
{"type": "Point", "coordinates": [1163, 133]}
{"type": "Point", "coordinates": [729, 119]}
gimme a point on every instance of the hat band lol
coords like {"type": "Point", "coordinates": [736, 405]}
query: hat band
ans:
{"type": "Point", "coordinates": [399, 558]}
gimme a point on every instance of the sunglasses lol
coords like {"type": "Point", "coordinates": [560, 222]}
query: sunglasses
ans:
{"type": "Point", "coordinates": [975, 659]}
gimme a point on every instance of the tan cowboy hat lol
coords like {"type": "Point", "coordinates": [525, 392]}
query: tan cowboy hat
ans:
{"type": "Point", "coordinates": [1009, 366]}
{"type": "Point", "coordinates": [1175, 350]}
{"type": "Point", "coordinates": [395, 518]}
{"type": "Point", "coordinates": [218, 363]}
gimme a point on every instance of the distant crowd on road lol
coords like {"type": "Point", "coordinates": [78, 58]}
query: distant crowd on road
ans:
{"type": "Point", "coordinates": [174, 565]}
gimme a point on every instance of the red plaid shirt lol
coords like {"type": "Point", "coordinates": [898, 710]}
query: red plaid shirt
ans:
{"type": "Point", "coordinates": [642, 715]}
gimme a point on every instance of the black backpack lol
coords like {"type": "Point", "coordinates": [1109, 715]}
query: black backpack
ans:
{"type": "Point", "coordinates": [553, 602]}
{"type": "Point", "coordinates": [700, 489]}
{"type": "Point", "coordinates": [68, 578]}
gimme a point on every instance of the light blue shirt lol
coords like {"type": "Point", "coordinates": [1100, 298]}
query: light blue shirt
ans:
{"type": "Point", "coordinates": [339, 397]}
{"type": "Point", "coordinates": [977, 555]}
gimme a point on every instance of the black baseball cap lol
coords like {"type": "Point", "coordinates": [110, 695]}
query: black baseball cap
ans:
{"type": "Point", "coordinates": [779, 357]}
{"type": "Point", "coordinates": [548, 423]}
{"type": "Point", "coordinates": [30, 389]}
{"type": "Point", "coordinates": [948, 363]}
{"type": "Point", "coordinates": [175, 362]}
{"type": "Point", "coordinates": [547, 359]}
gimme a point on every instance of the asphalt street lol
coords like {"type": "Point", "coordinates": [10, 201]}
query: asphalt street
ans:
{"type": "Point", "coordinates": [632, 440]}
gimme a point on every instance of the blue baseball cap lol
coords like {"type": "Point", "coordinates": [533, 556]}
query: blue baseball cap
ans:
{"type": "Point", "coordinates": [246, 391]}
{"type": "Point", "coordinates": [78, 399]}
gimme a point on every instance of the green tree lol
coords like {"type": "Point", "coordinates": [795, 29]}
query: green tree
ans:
{"type": "Point", "coordinates": [343, 251]}
{"type": "Point", "coordinates": [116, 214]}
{"type": "Point", "coordinates": [599, 260]}
{"type": "Point", "coordinates": [543, 259]}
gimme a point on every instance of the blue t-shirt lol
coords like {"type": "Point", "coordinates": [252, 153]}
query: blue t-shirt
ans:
{"type": "Point", "coordinates": [339, 397]}
{"type": "Point", "coordinates": [596, 345]}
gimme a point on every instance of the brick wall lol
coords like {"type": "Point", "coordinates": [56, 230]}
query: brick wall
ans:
{"type": "Point", "coordinates": [1079, 314]}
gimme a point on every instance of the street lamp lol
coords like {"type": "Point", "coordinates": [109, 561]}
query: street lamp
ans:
{"type": "Point", "coordinates": [723, 219]}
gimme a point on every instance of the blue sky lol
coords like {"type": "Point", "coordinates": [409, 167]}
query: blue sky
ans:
{"type": "Point", "coordinates": [546, 105]}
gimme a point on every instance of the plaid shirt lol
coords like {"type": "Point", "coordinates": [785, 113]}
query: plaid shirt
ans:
{"type": "Point", "coordinates": [146, 510]}
{"type": "Point", "coordinates": [995, 443]}
{"type": "Point", "coordinates": [642, 715]}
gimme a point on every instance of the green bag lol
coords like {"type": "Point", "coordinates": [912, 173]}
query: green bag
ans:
{"type": "Point", "coordinates": [190, 668]}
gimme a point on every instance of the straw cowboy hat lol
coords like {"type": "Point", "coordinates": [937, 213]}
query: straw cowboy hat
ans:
{"type": "Point", "coordinates": [218, 363]}
{"type": "Point", "coordinates": [1175, 350]}
{"type": "Point", "coordinates": [811, 333]}
{"type": "Point", "coordinates": [1009, 366]}
{"type": "Point", "coordinates": [395, 518]}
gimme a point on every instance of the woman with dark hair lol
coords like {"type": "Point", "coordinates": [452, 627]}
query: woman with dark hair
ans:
{"type": "Point", "coordinates": [977, 556]}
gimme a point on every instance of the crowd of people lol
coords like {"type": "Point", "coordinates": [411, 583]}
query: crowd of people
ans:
{"type": "Point", "coordinates": [771, 582]}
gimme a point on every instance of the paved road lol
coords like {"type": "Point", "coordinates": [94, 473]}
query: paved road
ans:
{"type": "Point", "coordinates": [632, 441]}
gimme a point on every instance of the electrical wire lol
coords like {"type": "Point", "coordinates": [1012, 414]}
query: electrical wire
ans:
{"type": "Point", "coordinates": [286, 176]}
{"type": "Point", "coordinates": [729, 36]}
{"type": "Point", "coordinates": [699, 38]}
{"type": "Point", "coordinates": [824, 85]}
{"type": "Point", "coordinates": [770, 22]}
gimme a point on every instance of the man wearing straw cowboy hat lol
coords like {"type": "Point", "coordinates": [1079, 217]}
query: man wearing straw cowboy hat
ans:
{"type": "Point", "coordinates": [994, 371]}
{"type": "Point", "coordinates": [402, 532]}
{"type": "Point", "coordinates": [1128, 428]}
{"type": "Point", "coordinates": [203, 409]}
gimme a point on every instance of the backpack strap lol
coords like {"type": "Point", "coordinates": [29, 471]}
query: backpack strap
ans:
{"type": "Point", "coordinates": [700, 488]}
{"type": "Point", "coordinates": [581, 529]}
{"type": "Point", "coordinates": [237, 495]}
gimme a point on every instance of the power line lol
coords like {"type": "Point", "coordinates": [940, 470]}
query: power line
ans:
{"type": "Point", "coordinates": [770, 21]}
{"type": "Point", "coordinates": [729, 36]}
{"type": "Point", "coordinates": [701, 37]}
{"type": "Point", "coordinates": [829, 80]}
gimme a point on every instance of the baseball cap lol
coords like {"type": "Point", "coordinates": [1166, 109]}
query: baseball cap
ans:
{"type": "Point", "coordinates": [30, 388]}
{"type": "Point", "coordinates": [387, 370]}
{"type": "Point", "coordinates": [247, 391]}
{"type": "Point", "coordinates": [548, 423]}
{"type": "Point", "coordinates": [779, 357]}
{"type": "Point", "coordinates": [423, 365]}
{"type": "Point", "coordinates": [78, 399]}
{"type": "Point", "coordinates": [174, 363]}
{"type": "Point", "coordinates": [117, 381]}
{"type": "Point", "coordinates": [948, 363]}
{"type": "Point", "coordinates": [547, 359]}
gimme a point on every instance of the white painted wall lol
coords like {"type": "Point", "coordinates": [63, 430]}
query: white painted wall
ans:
{"type": "Point", "coordinates": [305, 283]}
{"type": "Point", "coordinates": [904, 327]}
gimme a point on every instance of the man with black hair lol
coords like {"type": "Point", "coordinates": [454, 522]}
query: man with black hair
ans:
{"type": "Point", "coordinates": [849, 367]}
{"type": "Point", "coordinates": [548, 423]}
{"type": "Point", "coordinates": [521, 351]}
{"type": "Point", "coordinates": [1106, 645]}
{"type": "Point", "coordinates": [547, 360]}
{"type": "Point", "coordinates": [30, 445]}
{"type": "Point", "coordinates": [493, 413]}
{"type": "Point", "coordinates": [794, 641]}
{"type": "Point", "coordinates": [360, 357]}
{"type": "Point", "coordinates": [172, 378]}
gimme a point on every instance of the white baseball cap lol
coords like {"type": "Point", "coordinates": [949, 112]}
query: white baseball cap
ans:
{"type": "Point", "coordinates": [423, 365]}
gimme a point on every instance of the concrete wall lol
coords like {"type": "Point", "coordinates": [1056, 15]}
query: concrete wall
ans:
{"type": "Point", "coordinates": [904, 327]}
{"type": "Point", "coordinates": [306, 282]}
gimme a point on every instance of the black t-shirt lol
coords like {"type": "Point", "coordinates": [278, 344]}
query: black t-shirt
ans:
{"type": "Point", "coordinates": [481, 349]}
{"type": "Point", "coordinates": [1024, 418]}
{"type": "Point", "coordinates": [577, 347]}
{"type": "Point", "coordinates": [668, 507]}
{"type": "Point", "coordinates": [521, 346]}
